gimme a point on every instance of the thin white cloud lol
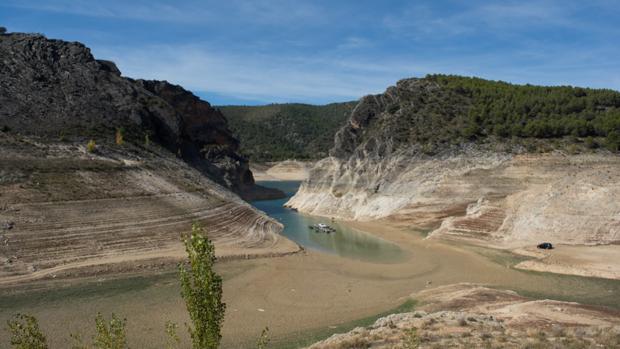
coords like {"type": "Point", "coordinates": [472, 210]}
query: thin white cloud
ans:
{"type": "Point", "coordinates": [189, 12]}
{"type": "Point", "coordinates": [268, 78]}
{"type": "Point", "coordinates": [354, 43]}
{"type": "Point", "coordinates": [421, 20]}
{"type": "Point", "coordinates": [113, 9]}
{"type": "Point", "coordinates": [333, 76]}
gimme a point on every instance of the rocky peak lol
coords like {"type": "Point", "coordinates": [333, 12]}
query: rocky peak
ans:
{"type": "Point", "coordinates": [56, 89]}
{"type": "Point", "coordinates": [376, 109]}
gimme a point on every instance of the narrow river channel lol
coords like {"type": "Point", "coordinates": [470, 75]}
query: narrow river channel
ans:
{"type": "Point", "coordinates": [345, 241]}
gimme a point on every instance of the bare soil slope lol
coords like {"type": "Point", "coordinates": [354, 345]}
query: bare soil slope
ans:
{"type": "Point", "coordinates": [67, 212]}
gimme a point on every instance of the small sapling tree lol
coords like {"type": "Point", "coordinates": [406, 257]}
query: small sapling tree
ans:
{"type": "Point", "coordinates": [201, 288]}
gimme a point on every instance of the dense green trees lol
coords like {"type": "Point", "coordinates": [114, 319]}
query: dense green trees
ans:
{"type": "Point", "coordinates": [452, 110]}
{"type": "Point", "coordinates": [526, 111]}
{"type": "Point", "coordinates": [287, 131]}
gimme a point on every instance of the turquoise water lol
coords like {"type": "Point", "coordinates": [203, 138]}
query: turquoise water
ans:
{"type": "Point", "coordinates": [345, 242]}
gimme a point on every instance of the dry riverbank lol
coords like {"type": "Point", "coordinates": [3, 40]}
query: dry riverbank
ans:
{"type": "Point", "coordinates": [297, 295]}
{"type": "Point", "coordinates": [509, 202]}
{"type": "Point", "coordinates": [592, 261]}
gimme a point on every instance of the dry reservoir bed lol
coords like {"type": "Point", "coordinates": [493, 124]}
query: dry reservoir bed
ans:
{"type": "Point", "coordinates": [299, 296]}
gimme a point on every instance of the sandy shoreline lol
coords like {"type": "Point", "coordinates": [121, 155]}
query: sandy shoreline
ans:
{"type": "Point", "coordinates": [591, 261]}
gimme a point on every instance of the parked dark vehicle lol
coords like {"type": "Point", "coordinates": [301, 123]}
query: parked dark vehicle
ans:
{"type": "Point", "coordinates": [545, 246]}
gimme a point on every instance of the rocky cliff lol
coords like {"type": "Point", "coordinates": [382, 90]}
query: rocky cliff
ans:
{"type": "Point", "coordinates": [57, 90]}
{"type": "Point", "coordinates": [406, 155]}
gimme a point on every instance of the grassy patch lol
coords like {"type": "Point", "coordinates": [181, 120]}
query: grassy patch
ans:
{"type": "Point", "coordinates": [572, 288]}
{"type": "Point", "coordinates": [501, 257]}
{"type": "Point", "coordinates": [107, 288]}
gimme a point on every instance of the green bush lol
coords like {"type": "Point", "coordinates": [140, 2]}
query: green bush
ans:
{"type": "Point", "coordinates": [613, 141]}
{"type": "Point", "coordinates": [91, 146]}
{"type": "Point", "coordinates": [119, 137]}
{"type": "Point", "coordinates": [25, 333]}
{"type": "Point", "coordinates": [263, 340]}
{"type": "Point", "coordinates": [110, 335]}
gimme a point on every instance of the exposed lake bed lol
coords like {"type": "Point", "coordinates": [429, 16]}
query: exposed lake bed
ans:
{"type": "Point", "coordinates": [322, 290]}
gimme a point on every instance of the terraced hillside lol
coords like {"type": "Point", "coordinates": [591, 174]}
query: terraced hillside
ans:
{"type": "Point", "coordinates": [102, 173]}
{"type": "Point", "coordinates": [66, 212]}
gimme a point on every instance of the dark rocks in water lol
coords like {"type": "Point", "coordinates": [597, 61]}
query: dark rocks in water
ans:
{"type": "Point", "coordinates": [56, 89]}
{"type": "Point", "coordinates": [545, 246]}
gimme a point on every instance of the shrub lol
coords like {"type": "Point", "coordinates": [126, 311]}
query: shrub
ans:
{"type": "Point", "coordinates": [590, 143]}
{"type": "Point", "coordinates": [263, 340]}
{"type": "Point", "coordinates": [412, 340]}
{"type": "Point", "coordinates": [91, 146]}
{"type": "Point", "coordinates": [173, 337]}
{"type": "Point", "coordinates": [110, 335]}
{"type": "Point", "coordinates": [25, 333]}
{"type": "Point", "coordinates": [201, 288]}
{"type": "Point", "coordinates": [613, 141]}
{"type": "Point", "coordinates": [120, 136]}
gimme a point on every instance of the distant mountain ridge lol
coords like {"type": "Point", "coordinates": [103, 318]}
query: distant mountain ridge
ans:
{"type": "Point", "coordinates": [287, 131]}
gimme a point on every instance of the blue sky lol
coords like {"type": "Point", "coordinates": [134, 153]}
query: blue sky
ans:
{"type": "Point", "coordinates": [256, 52]}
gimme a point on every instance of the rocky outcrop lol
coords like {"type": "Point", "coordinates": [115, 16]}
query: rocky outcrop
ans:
{"type": "Point", "coordinates": [57, 90]}
{"type": "Point", "coordinates": [488, 192]}
{"type": "Point", "coordinates": [474, 316]}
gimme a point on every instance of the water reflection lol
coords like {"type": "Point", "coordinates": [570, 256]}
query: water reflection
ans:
{"type": "Point", "coordinates": [345, 241]}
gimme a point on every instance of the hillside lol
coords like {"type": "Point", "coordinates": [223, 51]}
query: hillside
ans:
{"type": "Point", "coordinates": [432, 153]}
{"type": "Point", "coordinates": [57, 90]}
{"type": "Point", "coordinates": [445, 113]}
{"type": "Point", "coordinates": [278, 132]}
{"type": "Point", "coordinates": [101, 173]}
